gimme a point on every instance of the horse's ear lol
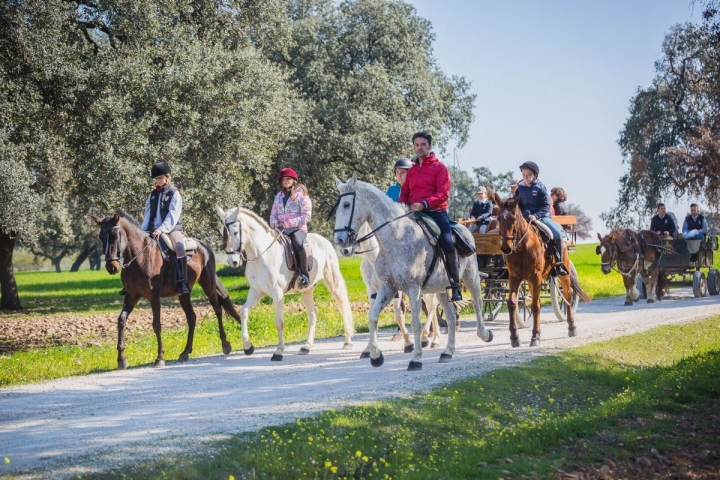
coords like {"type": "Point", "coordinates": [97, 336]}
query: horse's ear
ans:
{"type": "Point", "coordinates": [496, 199]}
{"type": "Point", "coordinates": [232, 214]}
{"type": "Point", "coordinates": [338, 183]}
{"type": "Point", "coordinates": [115, 219]}
{"type": "Point", "coordinates": [97, 219]}
{"type": "Point", "coordinates": [220, 212]}
{"type": "Point", "coordinates": [351, 181]}
{"type": "Point", "coordinates": [599, 237]}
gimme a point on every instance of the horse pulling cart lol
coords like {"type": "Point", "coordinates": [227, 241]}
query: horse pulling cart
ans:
{"type": "Point", "coordinates": [495, 283]}
{"type": "Point", "coordinates": [683, 261]}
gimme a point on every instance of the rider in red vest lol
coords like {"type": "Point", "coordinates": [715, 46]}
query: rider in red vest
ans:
{"type": "Point", "coordinates": [426, 189]}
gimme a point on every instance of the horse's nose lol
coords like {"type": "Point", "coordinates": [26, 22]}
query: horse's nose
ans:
{"type": "Point", "coordinates": [235, 263]}
{"type": "Point", "coordinates": [345, 251]}
{"type": "Point", "coordinates": [505, 250]}
{"type": "Point", "coordinates": [111, 267]}
{"type": "Point", "coordinates": [339, 240]}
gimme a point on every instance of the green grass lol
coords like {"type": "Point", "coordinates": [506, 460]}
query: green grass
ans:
{"type": "Point", "coordinates": [615, 399]}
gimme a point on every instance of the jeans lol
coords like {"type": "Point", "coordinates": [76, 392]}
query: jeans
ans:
{"type": "Point", "coordinates": [693, 235]}
{"type": "Point", "coordinates": [555, 228]}
{"type": "Point", "coordinates": [443, 222]}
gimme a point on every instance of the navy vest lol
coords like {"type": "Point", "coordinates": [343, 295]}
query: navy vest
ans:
{"type": "Point", "coordinates": [164, 196]}
{"type": "Point", "coordinates": [694, 224]}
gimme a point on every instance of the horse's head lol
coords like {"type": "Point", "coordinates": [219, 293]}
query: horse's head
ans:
{"type": "Point", "coordinates": [346, 217]}
{"type": "Point", "coordinates": [507, 218]}
{"type": "Point", "coordinates": [608, 251]}
{"type": "Point", "coordinates": [113, 243]}
{"type": "Point", "coordinates": [231, 232]}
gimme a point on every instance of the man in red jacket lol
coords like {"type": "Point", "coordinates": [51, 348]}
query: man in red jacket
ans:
{"type": "Point", "coordinates": [426, 189]}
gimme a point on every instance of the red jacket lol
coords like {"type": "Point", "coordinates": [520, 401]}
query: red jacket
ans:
{"type": "Point", "coordinates": [428, 183]}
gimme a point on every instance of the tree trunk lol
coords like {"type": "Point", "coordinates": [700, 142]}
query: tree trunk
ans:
{"type": "Point", "coordinates": [82, 256]}
{"type": "Point", "coordinates": [56, 263]}
{"type": "Point", "coordinates": [9, 298]}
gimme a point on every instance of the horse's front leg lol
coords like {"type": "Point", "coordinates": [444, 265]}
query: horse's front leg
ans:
{"type": "Point", "coordinates": [191, 321]}
{"type": "Point", "coordinates": [309, 302]}
{"type": "Point", "coordinates": [651, 279]}
{"type": "Point", "coordinates": [629, 282]}
{"type": "Point", "coordinates": [415, 307]}
{"type": "Point", "coordinates": [254, 296]}
{"type": "Point", "coordinates": [384, 295]}
{"type": "Point", "coordinates": [155, 306]}
{"type": "Point", "coordinates": [535, 291]}
{"type": "Point", "coordinates": [513, 286]}
{"type": "Point", "coordinates": [452, 316]}
{"type": "Point", "coordinates": [279, 304]}
{"type": "Point", "coordinates": [566, 285]}
{"type": "Point", "coordinates": [128, 306]}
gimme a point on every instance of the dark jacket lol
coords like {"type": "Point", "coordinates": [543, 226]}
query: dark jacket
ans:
{"type": "Point", "coordinates": [664, 224]}
{"type": "Point", "coordinates": [481, 210]}
{"type": "Point", "coordinates": [534, 199]}
{"type": "Point", "coordinates": [428, 184]}
{"type": "Point", "coordinates": [560, 208]}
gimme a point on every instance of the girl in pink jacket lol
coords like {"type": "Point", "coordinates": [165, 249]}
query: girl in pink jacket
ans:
{"type": "Point", "coordinates": [291, 213]}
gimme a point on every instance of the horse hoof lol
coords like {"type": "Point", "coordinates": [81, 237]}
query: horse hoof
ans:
{"type": "Point", "coordinates": [276, 358]}
{"type": "Point", "coordinates": [515, 342]}
{"type": "Point", "coordinates": [424, 343]}
{"type": "Point", "coordinates": [159, 363]}
{"type": "Point", "coordinates": [123, 364]}
{"type": "Point", "coordinates": [414, 366]}
{"type": "Point", "coordinates": [409, 348]}
{"type": "Point", "coordinates": [348, 346]}
{"type": "Point", "coordinates": [535, 342]}
{"type": "Point", "coordinates": [227, 348]}
{"type": "Point", "coordinates": [489, 336]}
{"type": "Point", "coordinates": [572, 332]}
{"type": "Point", "coordinates": [184, 357]}
{"type": "Point", "coordinates": [377, 362]}
{"type": "Point", "coordinates": [445, 358]}
{"type": "Point", "coordinates": [249, 351]}
{"type": "Point", "coordinates": [364, 355]}
{"type": "Point", "coordinates": [650, 300]}
{"type": "Point", "coordinates": [628, 303]}
{"type": "Point", "coordinates": [304, 351]}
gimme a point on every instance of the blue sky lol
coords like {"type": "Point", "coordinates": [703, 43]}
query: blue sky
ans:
{"type": "Point", "coordinates": [553, 80]}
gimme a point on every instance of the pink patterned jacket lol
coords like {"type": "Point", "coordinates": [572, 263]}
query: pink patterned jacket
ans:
{"type": "Point", "coordinates": [295, 214]}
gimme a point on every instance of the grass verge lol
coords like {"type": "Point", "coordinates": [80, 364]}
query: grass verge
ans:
{"type": "Point", "coordinates": [633, 407]}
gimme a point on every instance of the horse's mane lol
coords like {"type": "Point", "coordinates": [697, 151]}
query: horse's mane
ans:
{"type": "Point", "coordinates": [129, 218]}
{"type": "Point", "coordinates": [384, 200]}
{"type": "Point", "coordinates": [255, 217]}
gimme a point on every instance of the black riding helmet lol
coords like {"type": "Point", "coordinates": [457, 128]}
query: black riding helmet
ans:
{"type": "Point", "coordinates": [403, 163]}
{"type": "Point", "coordinates": [159, 169]}
{"type": "Point", "coordinates": [531, 166]}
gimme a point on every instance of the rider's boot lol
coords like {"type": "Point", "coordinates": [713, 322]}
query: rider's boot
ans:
{"type": "Point", "coordinates": [181, 269]}
{"type": "Point", "coordinates": [451, 263]}
{"type": "Point", "coordinates": [303, 279]}
{"type": "Point", "coordinates": [559, 266]}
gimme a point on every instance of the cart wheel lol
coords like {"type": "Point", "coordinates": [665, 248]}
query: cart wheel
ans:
{"type": "Point", "coordinates": [523, 317]}
{"type": "Point", "coordinates": [558, 301]}
{"type": "Point", "coordinates": [699, 284]}
{"type": "Point", "coordinates": [493, 300]}
{"type": "Point", "coordinates": [713, 281]}
{"type": "Point", "coordinates": [640, 285]}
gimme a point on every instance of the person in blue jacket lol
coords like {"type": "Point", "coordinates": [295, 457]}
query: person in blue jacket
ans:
{"type": "Point", "coordinates": [401, 168]}
{"type": "Point", "coordinates": [535, 206]}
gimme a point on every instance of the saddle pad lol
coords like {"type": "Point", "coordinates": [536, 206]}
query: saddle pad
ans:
{"type": "Point", "coordinates": [190, 244]}
{"type": "Point", "coordinates": [290, 254]}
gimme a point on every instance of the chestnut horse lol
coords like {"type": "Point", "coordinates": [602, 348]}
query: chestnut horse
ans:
{"type": "Point", "coordinates": [632, 253]}
{"type": "Point", "coordinates": [146, 275]}
{"type": "Point", "coordinates": [527, 259]}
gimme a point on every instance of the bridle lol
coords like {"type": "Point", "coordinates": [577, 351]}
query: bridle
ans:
{"type": "Point", "coordinates": [515, 241]}
{"type": "Point", "coordinates": [352, 234]}
{"type": "Point", "coordinates": [615, 258]}
{"type": "Point", "coordinates": [239, 251]}
{"type": "Point", "coordinates": [105, 238]}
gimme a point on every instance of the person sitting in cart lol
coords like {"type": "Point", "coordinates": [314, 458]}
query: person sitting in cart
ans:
{"type": "Point", "coordinates": [558, 197]}
{"type": "Point", "coordinates": [661, 223]}
{"type": "Point", "coordinates": [481, 211]}
{"type": "Point", "coordinates": [695, 226]}
{"type": "Point", "coordinates": [535, 205]}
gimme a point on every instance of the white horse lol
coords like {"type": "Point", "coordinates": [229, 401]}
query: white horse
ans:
{"type": "Point", "coordinates": [369, 251]}
{"type": "Point", "coordinates": [403, 263]}
{"type": "Point", "coordinates": [267, 273]}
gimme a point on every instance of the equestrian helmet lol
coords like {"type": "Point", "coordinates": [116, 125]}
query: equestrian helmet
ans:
{"type": "Point", "coordinates": [403, 163]}
{"type": "Point", "coordinates": [287, 172]}
{"type": "Point", "coordinates": [159, 169]}
{"type": "Point", "coordinates": [531, 166]}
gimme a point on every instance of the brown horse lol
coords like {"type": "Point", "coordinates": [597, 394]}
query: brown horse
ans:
{"type": "Point", "coordinates": [146, 275]}
{"type": "Point", "coordinates": [632, 253]}
{"type": "Point", "coordinates": [527, 259]}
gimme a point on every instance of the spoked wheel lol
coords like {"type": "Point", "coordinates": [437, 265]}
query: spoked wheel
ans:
{"type": "Point", "coordinates": [524, 317]}
{"type": "Point", "coordinates": [559, 304]}
{"type": "Point", "coordinates": [492, 302]}
{"type": "Point", "coordinates": [699, 284]}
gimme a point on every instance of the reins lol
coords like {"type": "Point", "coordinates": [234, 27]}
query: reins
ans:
{"type": "Point", "coordinates": [240, 251]}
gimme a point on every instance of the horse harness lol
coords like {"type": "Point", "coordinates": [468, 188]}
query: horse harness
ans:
{"type": "Point", "coordinates": [633, 243]}
{"type": "Point", "coordinates": [239, 250]}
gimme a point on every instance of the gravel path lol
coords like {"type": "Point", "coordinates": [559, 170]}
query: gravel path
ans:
{"type": "Point", "coordinates": [83, 424]}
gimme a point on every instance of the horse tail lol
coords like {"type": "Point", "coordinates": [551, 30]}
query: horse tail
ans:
{"type": "Point", "coordinates": [338, 289]}
{"type": "Point", "coordinates": [224, 298]}
{"type": "Point", "coordinates": [575, 283]}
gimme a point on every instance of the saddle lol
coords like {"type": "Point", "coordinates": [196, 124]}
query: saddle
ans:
{"type": "Point", "coordinates": [290, 260]}
{"type": "Point", "coordinates": [190, 244]}
{"type": "Point", "coordinates": [462, 238]}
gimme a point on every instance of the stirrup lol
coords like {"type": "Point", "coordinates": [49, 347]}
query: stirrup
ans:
{"type": "Point", "coordinates": [303, 281]}
{"type": "Point", "coordinates": [182, 287]}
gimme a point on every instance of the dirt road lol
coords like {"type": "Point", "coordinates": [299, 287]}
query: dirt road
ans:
{"type": "Point", "coordinates": [77, 425]}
